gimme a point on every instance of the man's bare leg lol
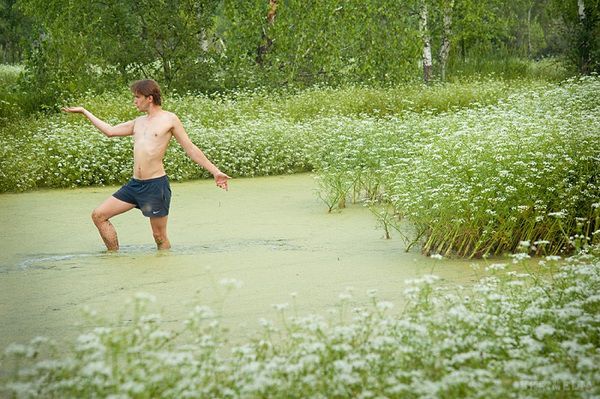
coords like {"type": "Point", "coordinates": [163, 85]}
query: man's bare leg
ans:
{"type": "Point", "coordinates": [101, 215]}
{"type": "Point", "coordinates": [159, 231]}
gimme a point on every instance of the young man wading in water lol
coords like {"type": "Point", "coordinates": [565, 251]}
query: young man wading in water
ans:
{"type": "Point", "coordinates": [149, 188]}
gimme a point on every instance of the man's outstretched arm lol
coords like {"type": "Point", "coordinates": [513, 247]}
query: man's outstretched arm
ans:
{"type": "Point", "coordinates": [122, 129]}
{"type": "Point", "coordinates": [197, 155]}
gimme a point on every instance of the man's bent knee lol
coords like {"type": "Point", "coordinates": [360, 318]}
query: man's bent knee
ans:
{"type": "Point", "coordinates": [98, 217]}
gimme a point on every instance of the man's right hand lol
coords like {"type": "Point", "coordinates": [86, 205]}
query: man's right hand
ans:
{"type": "Point", "coordinates": [74, 110]}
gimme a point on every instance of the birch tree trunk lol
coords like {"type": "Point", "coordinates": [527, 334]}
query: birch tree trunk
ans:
{"type": "Point", "coordinates": [584, 39]}
{"type": "Point", "coordinates": [529, 30]}
{"type": "Point", "coordinates": [424, 29]}
{"type": "Point", "coordinates": [448, 6]}
{"type": "Point", "coordinates": [581, 10]}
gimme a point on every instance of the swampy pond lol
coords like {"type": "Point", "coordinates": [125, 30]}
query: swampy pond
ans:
{"type": "Point", "coordinates": [271, 233]}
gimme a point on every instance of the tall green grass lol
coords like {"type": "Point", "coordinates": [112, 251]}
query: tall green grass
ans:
{"type": "Point", "coordinates": [511, 67]}
{"type": "Point", "coordinates": [218, 109]}
{"type": "Point", "coordinates": [478, 181]}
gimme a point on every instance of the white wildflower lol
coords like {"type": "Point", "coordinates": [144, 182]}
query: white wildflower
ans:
{"type": "Point", "coordinates": [39, 340]}
{"type": "Point", "coordinates": [530, 344]}
{"type": "Point", "coordinates": [519, 257]}
{"type": "Point", "coordinates": [265, 323]}
{"type": "Point", "coordinates": [203, 312]}
{"type": "Point", "coordinates": [384, 305]}
{"type": "Point", "coordinates": [586, 363]}
{"type": "Point", "coordinates": [96, 368]}
{"type": "Point", "coordinates": [281, 306]}
{"type": "Point", "coordinates": [543, 330]}
{"type": "Point", "coordinates": [345, 296]}
{"type": "Point", "coordinates": [19, 350]}
{"type": "Point", "coordinates": [558, 215]}
{"type": "Point", "coordinates": [412, 291]}
{"type": "Point", "coordinates": [160, 335]}
{"type": "Point", "coordinates": [132, 387]}
{"type": "Point", "coordinates": [231, 283]}
{"type": "Point", "coordinates": [496, 267]}
{"type": "Point", "coordinates": [145, 297]}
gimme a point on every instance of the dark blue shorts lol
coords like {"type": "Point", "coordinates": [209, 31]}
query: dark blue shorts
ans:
{"type": "Point", "coordinates": [152, 196]}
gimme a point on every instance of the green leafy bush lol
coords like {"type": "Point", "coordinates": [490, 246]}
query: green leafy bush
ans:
{"type": "Point", "coordinates": [10, 98]}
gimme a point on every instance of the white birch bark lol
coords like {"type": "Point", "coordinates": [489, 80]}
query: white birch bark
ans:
{"type": "Point", "coordinates": [447, 31]}
{"type": "Point", "coordinates": [581, 9]}
{"type": "Point", "coordinates": [584, 39]}
{"type": "Point", "coordinates": [424, 29]}
{"type": "Point", "coordinates": [529, 30]}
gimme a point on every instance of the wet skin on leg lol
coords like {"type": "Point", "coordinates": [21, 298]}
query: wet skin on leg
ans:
{"type": "Point", "coordinates": [101, 215]}
{"type": "Point", "coordinates": [159, 231]}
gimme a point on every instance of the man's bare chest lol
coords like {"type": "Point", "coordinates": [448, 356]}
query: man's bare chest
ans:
{"type": "Point", "coordinates": [149, 133]}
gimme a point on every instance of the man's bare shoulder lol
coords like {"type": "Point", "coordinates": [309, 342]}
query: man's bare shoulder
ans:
{"type": "Point", "coordinates": [172, 119]}
{"type": "Point", "coordinates": [172, 116]}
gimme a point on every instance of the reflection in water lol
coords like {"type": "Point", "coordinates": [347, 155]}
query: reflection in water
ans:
{"type": "Point", "coordinates": [45, 261]}
{"type": "Point", "coordinates": [49, 261]}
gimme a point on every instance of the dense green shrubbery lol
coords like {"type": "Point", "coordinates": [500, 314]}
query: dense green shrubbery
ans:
{"type": "Point", "coordinates": [11, 104]}
{"type": "Point", "coordinates": [512, 334]}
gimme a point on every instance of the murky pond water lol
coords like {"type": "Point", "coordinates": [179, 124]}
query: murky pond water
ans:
{"type": "Point", "coordinates": [271, 233]}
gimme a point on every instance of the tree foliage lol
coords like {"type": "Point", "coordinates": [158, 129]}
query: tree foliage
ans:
{"type": "Point", "coordinates": [169, 40]}
{"type": "Point", "coordinates": [211, 45]}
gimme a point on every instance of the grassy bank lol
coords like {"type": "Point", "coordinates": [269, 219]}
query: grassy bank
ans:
{"type": "Point", "coordinates": [512, 334]}
{"type": "Point", "coordinates": [247, 134]}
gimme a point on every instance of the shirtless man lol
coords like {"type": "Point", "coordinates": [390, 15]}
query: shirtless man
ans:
{"type": "Point", "coordinates": [149, 188]}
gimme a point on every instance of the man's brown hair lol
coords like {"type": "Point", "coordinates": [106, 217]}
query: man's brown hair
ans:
{"type": "Point", "coordinates": [147, 87]}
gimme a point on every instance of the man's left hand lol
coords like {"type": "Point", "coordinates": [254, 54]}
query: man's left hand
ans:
{"type": "Point", "coordinates": [221, 180]}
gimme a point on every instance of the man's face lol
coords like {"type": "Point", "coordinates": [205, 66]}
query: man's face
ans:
{"type": "Point", "coordinates": [141, 102]}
